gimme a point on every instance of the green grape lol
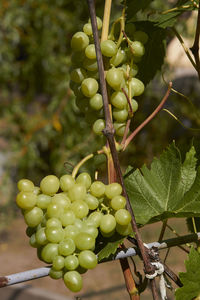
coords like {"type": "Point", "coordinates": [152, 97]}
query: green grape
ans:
{"type": "Point", "coordinates": [141, 36]}
{"type": "Point", "coordinates": [66, 182]}
{"type": "Point", "coordinates": [87, 259]}
{"type": "Point", "coordinates": [80, 209]}
{"type": "Point", "coordinates": [132, 71]}
{"type": "Point", "coordinates": [96, 102]}
{"type": "Point", "coordinates": [124, 230]}
{"type": "Point", "coordinates": [53, 222]}
{"type": "Point", "coordinates": [90, 64]}
{"type": "Point", "coordinates": [77, 75]}
{"type": "Point", "coordinates": [118, 100]}
{"type": "Point", "coordinates": [43, 201]}
{"type": "Point", "coordinates": [134, 105]}
{"type": "Point", "coordinates": [40, 237]}
{"type": "Point", "coordinates": [108, 223]}
{"type": "Point", "coordinates": [77, 192]}
{"type": "Point", "coordinates": [91, 201]}
{"type": "Point", "coordinates": [87, 28]}
{"type": "Point", "coordinates": [33, 217]}
{"type": "Point", "coordinates": [55, 274]}
{"type": "Point", "coordinates": [93, 74]}
{"type": "Point", "coordinates": [83, 104]}
{"type": "Point", "coordinates": [30, 231]}
{"type": "Point", "coordinates": [113, 189]}
{"type": "Point", "coordinates": [95, 218]}
{"type": "Point", "coordinates": [79, 41]}
{"type": "Point", "coordinates": [123, 217]}
{"type": "Point", "coordinates": [32, 242]}
{"type": "Point", "coordinates": [62, 200]}
{"type": "Point", "coordinates": [120, 115]}
{"type": "Point", "coordinates": [97, 189]}
{"type": "Point", "coordinates": [54, 210]}
{"type": "Point", "coordinates": [119, 128]}
{"type": "Point", "coordinates": [58, 263]}
{"type": "Point", "coordinates": [90, 51]}
{"type": "Point", "coordinates": [36, 190]}
{"type": "Point", "coordinates": [98, 126]}
{"type": "Point", "coordinates": [54, 234]}
{"type": "Point", "coordinates": [78, 223]}
{"type": "Point", "coordinates": [99, 22]}
{"type": "Point", "coordinates": [138, 48]}
{"type": "Point", "coordinates": [50, 185]}
{"type": "Point", "coordinates": [48, 252]}
{"type": "Point", "coordinates": [44, 220]}
{"type": "Point", "coordinates": [84, 179]}
{"type": "Point", "coordinates": [118, 202]}
{"type": "Point", "coordinates": [67, 217]}
{"type": "Point", "coordinates": [108, 48]}
{"type": "Point", "coordinates": [90, 229]}
{"type": "Point", "coordinates": [25, 185]}
{"type": "Point", "coordinates": [115, 78]}
{"type": "Point", "coordinates": [89, 87]}
{"type": "Point", "coordinates": [66, 247]}
{"type": "Point", "coordinates": [26, 200]}
{"type": "Point", "coordinates": [71, 262]}
{"type": "Point", "coordinates": [118, 58]}
{"type": "Point", "coordinates": [84, 241]}
{"type": "Point", "coordinates": [73, 281]}
{"type": "Point", "coordinates": [71, 231]}
{"type": "Point", "coordinates": [137, 87]}
{"type": "Point", "coordinates": [77, 58]}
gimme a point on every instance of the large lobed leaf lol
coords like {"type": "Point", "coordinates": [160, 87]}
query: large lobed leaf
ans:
{"type": "Point", "coordinates": [169, 188]}
{"type": "Point", "coordinates": [191, 278]}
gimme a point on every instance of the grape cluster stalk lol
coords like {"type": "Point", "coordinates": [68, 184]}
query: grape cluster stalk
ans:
{"type": "Point", "coordinates": [65, 216]}
{"type": "Point", "coordinates": [121, 56]}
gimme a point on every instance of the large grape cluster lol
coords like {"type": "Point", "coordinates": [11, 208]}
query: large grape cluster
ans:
{"type": "Point", "coordinates": [64, 218]}
{"type": "Point", "coordinates": [121, 69]}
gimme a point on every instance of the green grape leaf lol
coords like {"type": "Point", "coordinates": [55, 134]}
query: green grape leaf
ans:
{"type": "Point", "coordinates": [134, 6]}
{"type": "Point", "coordinates": [153, 58]}
{"type": "Point", "coordinates": [110, 246]}
{"type": "Point", "coordinates": [191, 278]}
{"type": "Point", "coordinates": [169, 188]}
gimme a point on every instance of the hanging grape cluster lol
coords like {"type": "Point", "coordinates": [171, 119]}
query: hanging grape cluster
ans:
{"type": "Point", "coordinates": [64, 218]}
{"type": "Point", "coordinates": [121, 68]}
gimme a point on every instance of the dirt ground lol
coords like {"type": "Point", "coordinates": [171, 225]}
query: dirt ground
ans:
{"type": "Point", "coordinates": [106, 280]}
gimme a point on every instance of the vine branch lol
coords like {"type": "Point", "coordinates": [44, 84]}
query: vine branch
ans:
{"type": "Point", "coordinates": [195, 48]}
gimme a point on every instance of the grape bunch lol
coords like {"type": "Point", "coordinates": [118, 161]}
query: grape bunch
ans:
{"type": "Point", "coordinates": [121, 68]}
{"type": "Point", "coordinates": [66, 216]}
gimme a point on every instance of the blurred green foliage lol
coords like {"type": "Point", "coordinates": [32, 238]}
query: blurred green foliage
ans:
{"type": "Point", "coordinates": [41, 129]}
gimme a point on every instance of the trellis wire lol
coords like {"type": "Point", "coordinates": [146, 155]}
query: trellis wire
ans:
{"type": "Point", "coordinates": [44, 271]}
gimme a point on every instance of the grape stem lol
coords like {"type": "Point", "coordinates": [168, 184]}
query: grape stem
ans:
{"type": "Point", "coordinates": [109, 134]}
{"type": "Point", "coordinates": [154, 113]}
{"type": "Point", "coordinates": [106, 20]}
{"type": "Point", "coordinates": [77, 167]}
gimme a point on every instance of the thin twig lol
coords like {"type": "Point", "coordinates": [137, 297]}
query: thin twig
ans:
{"type": "Point", "coordinates": [195, 48]}
{"type": "Point", "coordinates": [164, 225]}
{"type": "Point", "coordinates": [106, 20]}
{"type": "Point", "coordinates": [172, 275]}
{"type": "Point", "coordinates": [109, 133]}
{"type": "Point", "coordinates": [154, 113]}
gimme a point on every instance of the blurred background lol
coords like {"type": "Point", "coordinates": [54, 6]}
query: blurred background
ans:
{"type": "Point", "coordinates": [43, 132]}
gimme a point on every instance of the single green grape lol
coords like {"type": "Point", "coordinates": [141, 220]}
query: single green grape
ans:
{"type": "Point", "coordinates": [58, 262]}
{"type": "Point", "coordinates": [141, 36]}
{"type": "Point", "coordinates": [40, 237]}
{"type": "Point", "coordinates": [137, 87]}
{"type": "Point", "coordinates": [108, 48]}
{"type": "Point", "coordinates": [95, 218]}
{"type": "Point", "coordinates": [53, 222]}
{"type": "Point", "coordinates": [43, 201]}
{"type": "Point", "coordinates": [50, 185]}
{"type": "Point", "coordinates": [79, 41]}
{"type": "Point", "coordinates": [71, 262]}
{"type": "Point", "coordinates": [89, 87]}
{"type": "Point", "coordinates": [84, 179]}
{"type": "Point", "coordinates": [26, 200]}
{"type": "Point", "coordinates": [113, 189]}
{"type": "Point", "coordinates": [119, 128]}
{"type": "Point", "coordinates": [54, 210]}
{"type": "Point", "coordinates": [78, 75]}
{"type": "Point", "coordinates": [77, 192]}
{"type": "Point", "coordinates": [66, 247]}
{"type": "Point", "coordinates": [90, 51]}
{"type": "Point", "coordinates": [118, 58]}
{"type": "Point", "coordinates": [36, 190]}
{"type": "Point", "coordinates": [90, 64]}
{"type": "Point", "coordinates": [90, 229]}
{"type": "Point", "coordinates": [87, 259]}
{"type": "Point", "coordinates": [123, 216]}
{"type": "Point", "coordinates": [55, 274]}
{"type": "Point", "coordinates": [84, 241]}
{"type": "Point", "coordinates": [91, 201]}
{"type": "Point", "coordinates": [115, 78]}
{"type": "Point", "coordinates": [118, 202]}
{"type": "Point", "coordinates": [54, 234]}
{"type": "Point", "coordinates": [138, 48]}
{"type": "Point", "coordinates": [73, 281]}
{"type": "Point", "coordinates": [48, 252]}
{"type": "Point", "coordinates": [99, 22]}
{"type": "Point", "coordinates": [96, 102]}
{"type": "Point", "coordinates": [66, 182]}
{"type": "Point", "coordinates": [80, 209]}
{"type": "Point", "coordinates": [134, 105]}
{"type": "Point", "coordinates": [107, 223]}
{"type": "Point", "coordinates": [25, 185]}
{"type": "Point", "coordinates": [118, 100]}
{"type": "Point", "coordinates": [120, 115]}
{"type": "Point", "coordinates": [67, 217]}
{"type": "Point", "coordinates": [33, 216]}
{"type": "Point", "coordinates": [87, 28]}
{"type": "Point", "coordinates": [32, 241]}
{"type": "Point", "coordinates": [71, 231]}
{"type": "Point", "coordinates": [98, 126]}
{"type": "Point", "coordinates": [97, 189]}
{"type": "Point", "coordinates": [62, 200]}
